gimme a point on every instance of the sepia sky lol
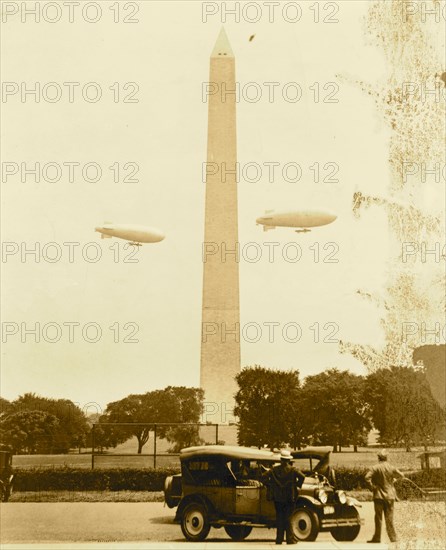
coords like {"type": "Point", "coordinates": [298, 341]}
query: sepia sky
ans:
{"type": "Point", "coordinates": [167, 54]}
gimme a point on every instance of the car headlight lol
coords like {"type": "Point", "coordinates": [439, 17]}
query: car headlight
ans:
{"type": "Point", "coordinates": [322, 496]}
{"type": "Point", "coordinates": [342, 497]}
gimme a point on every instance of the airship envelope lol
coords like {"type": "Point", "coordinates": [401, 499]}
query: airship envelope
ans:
{"type": "Point", "coordinates": [303, 219]}
{"type": "Point", "coordinates": [136, 234]}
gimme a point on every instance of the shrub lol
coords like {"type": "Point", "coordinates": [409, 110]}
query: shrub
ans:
{"type": "Point", "coordinates": [123, 479]}
{"type": "Point", "coordinates": [429, 478]}
{"type": "Point", "coordinates": [423, 479]}
{"type": "Point", "coordinates": [75, 479]}
{"type": "Point", "coordinates": [351, 479]}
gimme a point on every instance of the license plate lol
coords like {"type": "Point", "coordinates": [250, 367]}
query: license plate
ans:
{"type": "Point", "coordinates": [329, 510]}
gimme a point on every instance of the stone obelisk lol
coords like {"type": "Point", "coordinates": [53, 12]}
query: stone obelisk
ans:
{"type": "Point", "coordinates": [220, 342]}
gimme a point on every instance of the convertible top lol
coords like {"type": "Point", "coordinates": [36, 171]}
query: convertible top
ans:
{"type": "Point", "coordinates": [312, 452]}
{"type": "Point", "coordinates": [229, 451]}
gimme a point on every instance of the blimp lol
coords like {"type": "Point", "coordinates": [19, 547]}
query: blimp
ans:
{"type": "Point", "coordinates": [302, 219]}
{"type": "Point", "coordinates": [135, 234]}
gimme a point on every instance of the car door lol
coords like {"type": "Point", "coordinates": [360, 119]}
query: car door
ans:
{"type": "Point", "coordinates": [266, 507]}
{"type": "Point", "coordinates": [247, 500]}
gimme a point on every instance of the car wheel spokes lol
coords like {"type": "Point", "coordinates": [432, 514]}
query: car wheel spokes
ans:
{"type": "Point", "coordinates": [303, 524]}
{"type": "Point", "coordinates": [195, 522]}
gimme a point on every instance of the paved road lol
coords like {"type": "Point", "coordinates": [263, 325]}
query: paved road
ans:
{"type": "Point", "coordinates": [150, 526]}
{"type": "Point", "coordinates": [134, 522]}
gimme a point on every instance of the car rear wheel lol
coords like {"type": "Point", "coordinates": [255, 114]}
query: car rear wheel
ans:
{"type": "Point", "coordinates": [304, 524]}
{"type": "Point", "coordinates": [238, 532]}
{"type": "Point", "coordinates": [347, 533]}
{"type": "Point", "coordinates": [195, 522]}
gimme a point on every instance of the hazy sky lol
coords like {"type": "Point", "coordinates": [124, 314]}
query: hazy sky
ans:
{"type": "Point", "coordinates": [167, 55]}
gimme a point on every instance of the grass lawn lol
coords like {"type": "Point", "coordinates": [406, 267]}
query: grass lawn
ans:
{"type": "Point", "coordinates": [228, 434]}
{"type": "Point", "coordinates": [366, 456]}
{"type": "Point", "coordinates": [116, 496]}
{"type": "Point", "coordinates": [110, 460]}
{"type": "Point", "coordinates": [87, 496]}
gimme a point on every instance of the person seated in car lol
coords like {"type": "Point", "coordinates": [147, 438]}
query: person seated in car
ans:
{"type": "Point", "coordinates": [244, 474]}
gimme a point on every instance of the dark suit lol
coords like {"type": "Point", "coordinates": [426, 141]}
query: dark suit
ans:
{"type": "Point", "coordinates": [283, 483]}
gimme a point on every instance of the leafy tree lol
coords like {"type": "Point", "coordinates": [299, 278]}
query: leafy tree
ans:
{"type": "Point", "coordinates": [187, 405]}
{"type": "Point", "coordinates": [132, 409]}
{"type": "Point", "coordinates": [183, 436]}
{"type": "Point", "coordinates": [411, 294]}
{"type": "Point", "coordinates": [104, 436]}
{"type": "Point", "coordinates": [334, 410]}
{"type": "Point", "coordinates": [30, 431]}
{"type": "Point", "coordinates": [170, 405]}
{"type": "Point", "coordinates": [402, 406]}
{"type": "Point", "coordinates": [72, 423]}
{"type": "Point", "coordinates": [263, 405]}
{"type": "Point", "coordinates": [5, 407]}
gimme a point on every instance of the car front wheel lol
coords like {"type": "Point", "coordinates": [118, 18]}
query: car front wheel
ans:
{"type": "Point", "coordinates": [238, 532]}
{"type": "Point", "coordinates": [350, 532]}
{"type": "Point", "coordinates": [304, 524]}
{"type": "Point", "coordinates": [195, 522]}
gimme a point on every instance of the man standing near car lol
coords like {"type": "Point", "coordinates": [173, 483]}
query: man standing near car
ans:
{"type": "Point", "coordinates": [283, 480]}
{"type": "Point", "coordinates": [381, 479]}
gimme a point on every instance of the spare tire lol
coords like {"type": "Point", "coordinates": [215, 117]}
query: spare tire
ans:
{"type": "Point", "coordinates": [171, 498]}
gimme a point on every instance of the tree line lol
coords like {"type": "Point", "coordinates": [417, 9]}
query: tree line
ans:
{"type": "Point", "coordinates": [337, 408]}
{"type": "Point", "coordinates": [273, 408]}
{"type": "Point", "coordinates": [32, 424]}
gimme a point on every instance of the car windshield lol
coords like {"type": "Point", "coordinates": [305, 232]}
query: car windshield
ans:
{"type": "Point", "coordinates": [313, 459]}
{"type": "Point", "coordinates": [305, 465]}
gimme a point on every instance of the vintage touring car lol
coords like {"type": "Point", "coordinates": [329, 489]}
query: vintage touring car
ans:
{"type": "Point", "coordinates": [222, 486]}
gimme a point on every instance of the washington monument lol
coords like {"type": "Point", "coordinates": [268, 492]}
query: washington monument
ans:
{"type": "Point", "coordinates": [220, 342]}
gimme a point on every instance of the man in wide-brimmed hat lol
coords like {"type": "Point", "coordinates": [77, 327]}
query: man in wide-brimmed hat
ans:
{"type": "Point", "coordinates": [283, 482]}
{"type": "Point", "coordinates": [381, 478]}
